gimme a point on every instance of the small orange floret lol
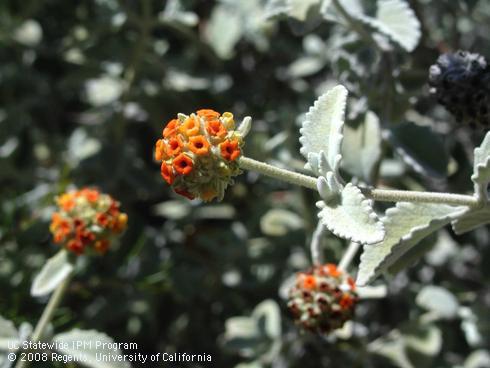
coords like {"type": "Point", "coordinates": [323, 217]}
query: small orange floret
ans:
{"type": "Point", "coordinates": [199, 145]}
{"type": "Point", "coordinates": [346, 301]}
{"type": "Point", "coordinates": [101, 246]}
{"type": "Point", "coordinates": [91, 194]}
{"type": "Point", "coordinates": [66, 201]}
{"type": "Point", "coordinates": [121, 222]}
{"type": "Point", "coordinates": [308, 282]}
{"type": "Point", "coordinates": [183, 164]}
{"type": "Point", "coordinates": [174, 146]}
{"type": "Point", "coordinates": [160, 150]}
{"type": "Point", "coordinates": [351, 283]}
{"type": "Point", "coordinates": [333, 270]}
{"type": "Point", "coordinates": [102, 219]}
{"type": "Point", "coordinates": [75, 246]}
{"type": "Point", "coordinates": [208, 114]}
{"type": "Point", "coordinates": [167, 173]}
{"type": "Point", "coordinates": [184, 193]}
{"type": "Point", "coordinates": [171, 128]}
{"type": "Point", "coordinates": [190, 127]}
{"type": "Point", "coordinates": [230, 150]}
{"type": "Point", "coordinates": [215, 128]}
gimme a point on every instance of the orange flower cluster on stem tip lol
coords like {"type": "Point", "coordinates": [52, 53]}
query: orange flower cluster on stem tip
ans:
{"type": "Point", "coordinates": [322, 299]}
{"type": "Point", "coordinates": [87, 220]}
{"type": "Point", "coordinates": [199, 153]}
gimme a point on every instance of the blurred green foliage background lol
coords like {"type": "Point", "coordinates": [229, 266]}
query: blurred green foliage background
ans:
{"type": "Point", "coordinates": [85, 90]}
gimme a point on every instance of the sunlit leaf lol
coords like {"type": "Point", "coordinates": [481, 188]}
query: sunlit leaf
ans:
{"type": "Point", "coordinates": [405, 225]}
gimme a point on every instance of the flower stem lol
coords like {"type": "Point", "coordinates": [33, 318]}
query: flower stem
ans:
{"type": "Point", "coordinates": [348, 256]}
{"type": "Point", "coordinates": [47, 315]}
{"type": "Point", "coordinates": [381, 195]}
{"type": "Point", "coordinates": [316, 244]}
{"type": "Point", "coordinates": [278, 173]}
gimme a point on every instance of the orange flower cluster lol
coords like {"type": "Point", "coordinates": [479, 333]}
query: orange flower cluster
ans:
{"type": "Point", "coordinates": [199, 154]}
{"type": "Point", "coordinates": [322, 299]}
{"type": "Point", "coordinates": [86, 219]}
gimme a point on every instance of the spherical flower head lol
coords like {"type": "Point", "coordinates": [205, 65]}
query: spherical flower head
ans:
{"type": "Point", "coordinates": [87, 220]}
{"type": "Point", "coordinates": [461, 83]}
{"type": "Point", "coordinates": [322, 299]}
{"type": "Point", "coordinates": [199, 154]}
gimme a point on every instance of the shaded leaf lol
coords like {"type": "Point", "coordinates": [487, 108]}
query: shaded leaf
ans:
{"type": "Point", "coordinates": [361, 150]}
{"type": "Point", "coordinates": [417, 145]}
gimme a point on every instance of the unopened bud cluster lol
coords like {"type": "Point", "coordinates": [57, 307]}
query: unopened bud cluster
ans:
{"type": "Point", "coordinates": [322, 299]}
{"type": "Point", "coordinates": [461, 83]}
{"type": "Point", "coordinates": [199, 154]}
{"type": "Point", "coordinates": [87, 220]}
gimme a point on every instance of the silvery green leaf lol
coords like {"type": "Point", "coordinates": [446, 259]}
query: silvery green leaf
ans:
{"type": "Point", "coordinates": [274, 8]}
{"type": "Point", "coordinates": [29, 33]}
{"type": "Point", "coordinates": [391, 346]}
{"type": "Point", "coordinates": [268, 317]}
{"type": "Point", "coordinates": [224, 30]}
{"type": "Point", "coordinates": [81, 146]}
{"type": "Point", "coordinates": [103, 90]}
{"type": "Point", "coordinates": [298, 9]}
{"type": "Point", "coordinates": [426, 340]}
{"type": "Point", "coordinates": [305, 66]}
{"type": "Point", "coordinates": [245, 125]}
{"type": "Point", "coordinates": [478, 359]}
{"type": "Point", "coordinates": [362, 148]}
{"type": "Point", "coordinates": [481, 169]}
{"type": "Point", "coordinates": [328, 187]}
{"type": "Point", "coordinates": [278, 222]}
{"type": "Point", "coordinates": [322, 129]}
{"type": "Point", "coordinates": [471, 219]}
{"type": "Point", "coordinates": [56, 269]}
{"type": "Point", "coordinates": [175, 12]}
{"type": "Point", "coordinates": [438, 300]}
{"type": "Point", "coordinates": [330, 13]}
{"type": "Point", "coordinates": [8, 333]}
{"type": "Point", "coordinates": [405, 225]}
{"type": "Point", "coordinates": [476, 217]}
{"type": "Point", "coordinates": [372, 292]}
{"type": "Point", "coordinates": [90, 343]}
{"type": "Point", "coordinates": [397, 20]}
{"type": "Point", "coordinates": [351, 217]}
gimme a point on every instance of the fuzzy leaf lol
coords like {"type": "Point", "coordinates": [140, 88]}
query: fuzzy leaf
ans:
{"type": "Point", "coordinates": [91, 343]}
{"type": "Point", "coordinates": [299, 8]}
{"type": "Point", "coordinates": [362, 148]}
{"type": "Point", "coordinates": [481, 169]}
{"type": "Point", "coordinates": [438, 300]}
{"type": "Point", "coordinates": [56, 269]}
{"type": "Point", "coordinates": [8, 332]}
{"type": "Point", "coordinates": [278, 222]}
{"type": "Point", "coordinates": [395, 19]}
{"type": "Point", "coordinates": [476, 217]}
{"type": "Point", "coordinates": [322, 129]}
{"type": "Point", "coordinates": [224, 30]}
{"type": "Point", "coordinates": [405, 225]}
{"type": "Point", "coordinates": [350, 216]}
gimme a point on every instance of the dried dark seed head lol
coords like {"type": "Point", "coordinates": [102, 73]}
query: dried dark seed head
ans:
{"type": "Point", "coordinates": [461, 83]}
